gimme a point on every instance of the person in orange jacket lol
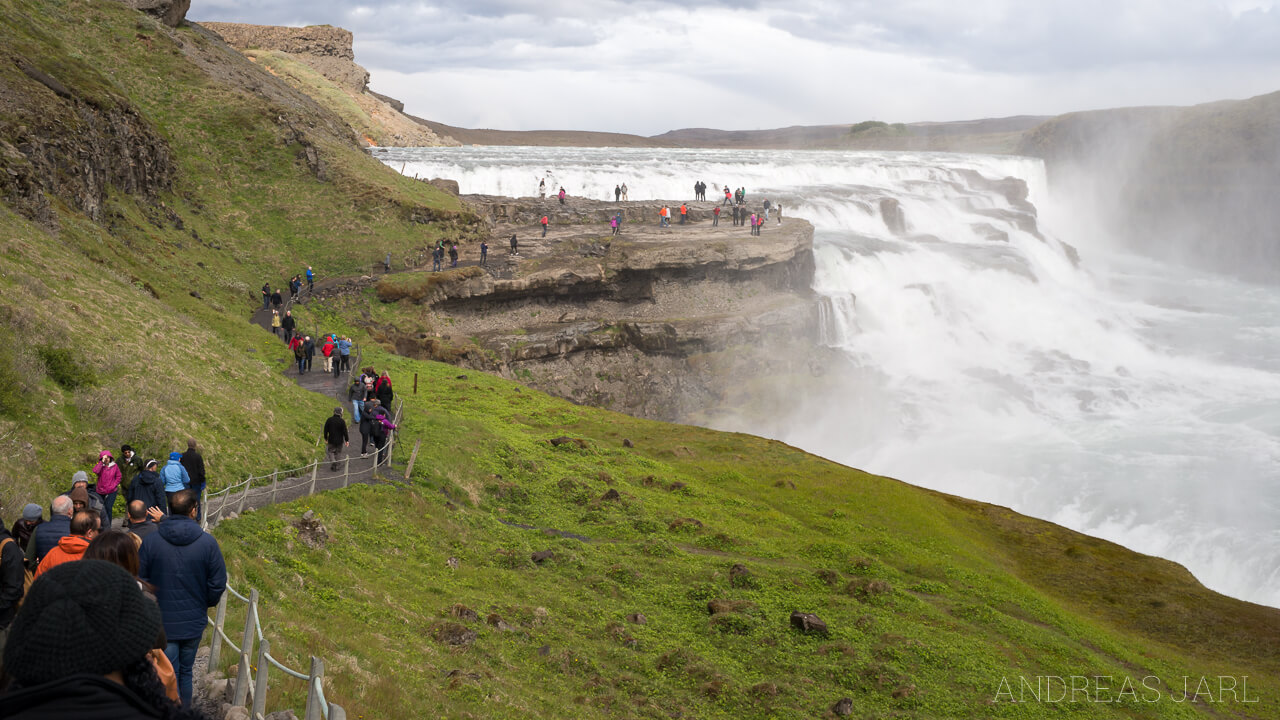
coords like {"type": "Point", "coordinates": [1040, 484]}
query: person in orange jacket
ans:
{"type": "Point", "coordinates": [84, 527]}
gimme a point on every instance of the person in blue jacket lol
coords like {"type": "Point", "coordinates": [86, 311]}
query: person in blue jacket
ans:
{"type": "Point", "coordinates": [176, 478]}
{"type": "Point", "coordinates": [185, 565]}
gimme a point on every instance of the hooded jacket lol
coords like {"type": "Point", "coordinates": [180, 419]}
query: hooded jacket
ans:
{"type": "Point", "coordinates": [148, 487]}
{"type": "Point", "coordinates": [129, 469]}
{"type": "Point", "coordinates": [175, 476]}
{"type": "Point", "coordinates": [108, 472]}
{"type": "Point", "coordinates": [185, 564]}
{"type": "Point", "coordinates": [12, 573]}
{"type": "Point", "coordinates": [68, 549]}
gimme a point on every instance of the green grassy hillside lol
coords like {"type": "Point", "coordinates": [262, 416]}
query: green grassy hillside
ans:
{"type": "Point", "coordinates": [931, 601]}
{"type": "Point", "coordinates": [152, 180]}
{"type": "Point", "coordinates": [251, 182]}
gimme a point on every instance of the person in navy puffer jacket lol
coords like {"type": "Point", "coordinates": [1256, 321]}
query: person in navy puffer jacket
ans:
{"type": "Point", "coordinates": [185, 565]}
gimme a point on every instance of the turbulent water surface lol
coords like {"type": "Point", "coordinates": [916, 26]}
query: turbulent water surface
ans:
{"type": "Point", "coordinates": [1123, 397]}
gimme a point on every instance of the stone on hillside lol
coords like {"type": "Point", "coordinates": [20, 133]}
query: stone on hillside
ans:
{"type": "Point", "coordinates": [843, 707]}
{"type": "Point", "coordinates": [464, 613]}
{"type": "Point", "coordinates": [169, 12]}
{"type": "Point", "coordinates": [542, 556]}
{"type": "Point", "coordinates": [626, 442]}
{"type": "Point", "coordinates": [449, 186]}
{"type": "Point", "coordinates": [454, 634]}
{"type": "Point", "coordinates": [452, 562]}
{"type": "Point", "coordinates": [237, 712]}
{"type": "Point", "coordinates": [638, 619]}
{"type": "Point", "coordinates": [565, 440]}
{"type": "Point", "coordinates": [612, 494]}
{"type": "Point", "coordinates": [311, 531]}
{"type": "Point", "coordinates": [281, 715]}
{"type": "Point", "coordinates": [809, 623]}
{"type": "Point", "coordinates": [715, 607]}
{"type": "Point", "coordinates": [739, 575]}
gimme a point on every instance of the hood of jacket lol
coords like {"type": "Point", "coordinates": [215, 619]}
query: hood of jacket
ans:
{"type": "Point", "coordinates": [179, 530]}
{"type": "Point", "coordinates": [148, 477]}
{"type": "Point", "coordinates": [73, 544]}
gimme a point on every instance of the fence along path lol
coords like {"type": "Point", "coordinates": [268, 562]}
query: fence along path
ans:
{"type": "Point", "coordinates": [254, 672]}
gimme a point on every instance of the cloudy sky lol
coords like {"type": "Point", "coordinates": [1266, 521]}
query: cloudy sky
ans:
{"type": "Point", "coordinates": [647, 66]}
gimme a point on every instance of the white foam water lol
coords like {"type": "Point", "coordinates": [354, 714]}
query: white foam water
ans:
{"type": "Point", "coordinates": [1122, 397]}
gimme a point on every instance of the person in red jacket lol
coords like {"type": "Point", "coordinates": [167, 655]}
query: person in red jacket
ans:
{"type": "Point", "coordinates": [544, 222]}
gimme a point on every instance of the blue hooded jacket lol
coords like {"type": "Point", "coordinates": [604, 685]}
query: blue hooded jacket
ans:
{"type": "Point", "coordinates": [175, 476]}
{"type": "Point", "coordinates": [185, 564]}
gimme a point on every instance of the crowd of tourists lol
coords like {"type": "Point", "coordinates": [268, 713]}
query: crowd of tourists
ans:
{"type": "Point", "coordinates": [97, 621]}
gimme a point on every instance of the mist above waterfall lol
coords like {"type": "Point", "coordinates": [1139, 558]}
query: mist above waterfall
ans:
{"type": "Point", "coordinates": [975, 354]}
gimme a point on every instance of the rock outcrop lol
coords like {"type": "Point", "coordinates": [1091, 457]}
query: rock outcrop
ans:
{"type": "Point", "coordinates": [169, 12]}
{"type": "Point", "coordinates": [328, 51]}
{"type": "Point", "coordinates": [655, 322]}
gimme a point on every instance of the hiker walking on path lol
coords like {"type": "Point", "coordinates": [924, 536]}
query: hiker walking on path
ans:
{"type": "Point", "coordinates": [308, 351]}
{"type": "Point", "coordinates": [46, 537]}
{"type": "Point", "coordinates": [185, 565]}
{"type": "Point", "coordinates": [12, 578]}
{"type": "Point", "coordinates": [311, 280]}
{"type": "Point", "coordinates": [193, 462]}
{"type": "Point", "coordinates": [287, 323]}
{"type": "Point", "coordinates": [326, 349]}
{"type": "Point", "coordinates": [276, 323]}
{"type": "Point", "coordinates": [382, 389]}
{"type": "Point", "coordinates": [344, 354]}
{"type": "Point", "coordinates": [266, 295]}
{"type": "Point", "coordinates": [175, 476]}
{"type": "Point", "coordinates": [295, 345]}
{"type": "Point", "coordinates": [356, 395]}
{"type": "Point", "coordinates": [85, 526]}
{"type": "Point", "coordinates": [453, 255]}
{"type": "Point", "coordinates": [130, 466]}
{"type": "Point", "coordinates": [335, 436]}
{"type": "Point", "coordinates": [25, 526]}
{"type": "Point", "coordinates": [484, 253]}
{"type": "Point", "coordinates": [366, 425]}
{"type": "Point", "coordinates": [276, 299]}
{"type": "Point", "coordinates": [562, 195]}
{"type": "Point", "coordinates": [513, 240]}
{"type": "Point", "coordinates": [613, 225]}
{"type": "Point", "coordinates": [108, 484]}
{"type": "Point", "coordinates": [544, 222]}
{"type": "Point", "coordinates": [715, 217]}
{"type": "Point", "coordinates": [148, 488]}
{"type": "Point", "coordinates": [380, 426]}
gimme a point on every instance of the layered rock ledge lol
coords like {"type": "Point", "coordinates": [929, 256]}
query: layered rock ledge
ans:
{"type": "Point", "coordinates": [657, 322]}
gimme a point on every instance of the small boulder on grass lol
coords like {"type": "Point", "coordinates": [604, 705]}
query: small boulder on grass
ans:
{"type": "Point", "coordinates": [808, 623]}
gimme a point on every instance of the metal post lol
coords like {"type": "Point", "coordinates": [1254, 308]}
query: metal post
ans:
{"type": "Point", "coordinates": [246, 649]}
{"type": "Point", "coordinates": [336, 712]}
{"type": "Point", "coordinates": [219, 622]}
{"type": "Point", "coordinates": [260, 682]}
{"type": "Point", "coordinates": [346, 470]}
{"type": "Point", "coordinates": [275, 480]}
{"type": "Point", "coordinates": [204, 504]}
{"type": "Point", "coordinates": [244, 494]}
{"type": "Point", "coordinates": [315, 468]}
{"type": "Point", "coordinates": [314, 711]}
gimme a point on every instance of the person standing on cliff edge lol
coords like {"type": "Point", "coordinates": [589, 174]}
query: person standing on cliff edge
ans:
{"type": "Point", "coordinates": [624, 192]}
{"type": "Point", "coordinates": [513, 243]}
{"type": "Point", "coordinates": [544, 222]}
{"type": "Point", "coordinates": [617, 192]}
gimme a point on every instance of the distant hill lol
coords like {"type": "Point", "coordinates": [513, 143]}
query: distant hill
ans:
{"type": "Point", "coordinates": [1000, 135]}
{"type": "Point", "coordinates": [1191, 184]}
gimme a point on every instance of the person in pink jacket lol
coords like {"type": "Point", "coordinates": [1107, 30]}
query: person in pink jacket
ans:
{"type": "Point", "coordinates": [109, 476]}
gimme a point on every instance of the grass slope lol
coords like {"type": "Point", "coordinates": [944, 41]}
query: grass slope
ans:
{"type": "Point", "coordinates": [115, 297]}
{"type": "Point", "coordinates": [931, 600]}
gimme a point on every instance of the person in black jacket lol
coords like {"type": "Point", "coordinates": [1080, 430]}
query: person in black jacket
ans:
{"type": "Point", "coordinates": [148, 488]}
{"type": "Point", "coordinates": [335, 436]}
{"type": "Point", "coordinates": [308, 351]}
{"type": "Point", "coordinates": [287, 323]}
{"type": "Point", "coordinates": [193, 461]}
{"type": "Point", "coordinates": [52, 673]}
{"type": "Point", "coordinates": [382, 389]}
{"type": "Point", "coordinates": [12, 572]}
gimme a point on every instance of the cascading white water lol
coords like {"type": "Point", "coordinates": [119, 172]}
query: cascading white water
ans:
{"type": "Point", "coordinates": [1124, 398]}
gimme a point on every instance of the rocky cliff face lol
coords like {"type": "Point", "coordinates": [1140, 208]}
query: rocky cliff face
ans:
{"type": "Point", "coordinates": [328, 50]}
{"type": "Point", "coordinates": [1195, 184]}
{"type": "Point", "coordinates": [666, 323]}
{"type": "Point", "coordinates": [72, 140]}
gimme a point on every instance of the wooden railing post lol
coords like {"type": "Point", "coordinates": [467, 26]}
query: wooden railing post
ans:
{"type": "Point", "coordinates": [314, 470]}
{"type": "Point", "coordinates": [275, 483]}
{"type": "Point", "coordinates": [244, 495]}
{"type": "Point", "coordinates": [346, 470]}
{"type": "Point", "coordinates": [246, 649]}
{"type": "Point", "coordinates": [336, 712]}
{"type": "Point", "coordinates": [219, 622]}
{"type": "Point", "coordinates": [260, 682]}
{"type": "Point", "coordinates": [313, 710]}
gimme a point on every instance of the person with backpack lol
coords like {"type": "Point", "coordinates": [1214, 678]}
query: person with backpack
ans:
{"type": "Point", "coordinates": [437, 258]}
{"type": "Point", "coordinates": [380, 426]}
{"type": "Point", "coordinates": [344, 354]}
{"type": "Point", "coordinates": [14, 579]}
{"type": "Point", "coordinates": [148, 488]}
{"type": "Point", "coordinates": [295, 344]}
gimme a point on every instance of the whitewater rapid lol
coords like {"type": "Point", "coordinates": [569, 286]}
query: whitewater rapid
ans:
{"type": "Point", "coordinates": [1122, 397]}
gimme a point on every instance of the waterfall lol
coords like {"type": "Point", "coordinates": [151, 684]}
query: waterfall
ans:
{"type": "Point", "coordinates": [1118, 395]}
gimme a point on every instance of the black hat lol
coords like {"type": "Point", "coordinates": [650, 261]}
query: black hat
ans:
{"type": "Point", "coordinates": [87, 616]}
